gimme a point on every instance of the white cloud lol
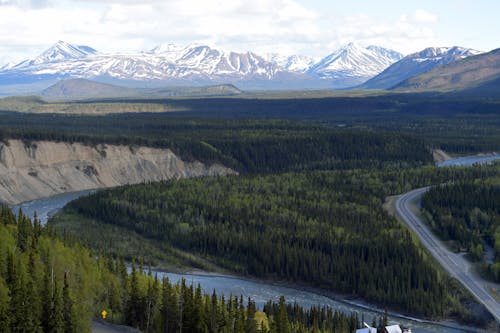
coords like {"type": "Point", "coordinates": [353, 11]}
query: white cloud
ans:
{"type": "Point", "coordinates": [28, 27]}
{"type": "Point", "coordinates": [404, 34]}
{"type": "Point", "coordinates": [34, 4]}
{"type": "Point", "coordinates": [422, 16]}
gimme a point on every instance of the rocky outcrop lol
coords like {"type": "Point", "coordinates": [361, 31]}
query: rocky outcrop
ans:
{"type": "Point", "coordinates": [32, 170]}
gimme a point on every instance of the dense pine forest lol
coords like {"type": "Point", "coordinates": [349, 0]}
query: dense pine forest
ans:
{"type": "Point", "coordinates": [468, 213]}
{"type": "Point", "coordinates": [245, 133]}
{"type": "Point", "coordinates": [47, 285]}
{"type": "Point", "coordinates": [325, 228]}
{"type": "Point", "coordinates": [52, 284]}
{"type": "Point", "coordinates": [306, 209]}
{"type": "Point", "coordinates": [248, 146]}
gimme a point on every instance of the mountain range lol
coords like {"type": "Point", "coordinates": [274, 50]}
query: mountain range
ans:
{"type": "Point", "coordinates": [415, 64]}
{"type": "Point", "coordinates": [353, 65]}
{"type": "Point", "coordinates": [170, 64]}
{"type": "Point", "coordinates": [477, 75]}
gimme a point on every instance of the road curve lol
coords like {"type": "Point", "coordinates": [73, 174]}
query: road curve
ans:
{"type": "Point", "coordinates": [453, 263]}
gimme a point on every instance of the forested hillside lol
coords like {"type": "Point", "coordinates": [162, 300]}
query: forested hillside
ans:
{"type": "Point", "coordinates": [49, 284]}
{"type": "Point", "coordinates": [325, 229]}
{"type": "Point", "coordinates": [45, 283]}
{"type": "Point", "coordinates": [249, 146]}
{"type": "Point", "coordinates": [468, 213]}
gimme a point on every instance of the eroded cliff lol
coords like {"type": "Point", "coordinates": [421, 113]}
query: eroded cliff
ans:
{"type": "Point", "coordinates": [39, 169]}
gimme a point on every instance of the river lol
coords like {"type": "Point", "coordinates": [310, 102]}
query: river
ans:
{"type": "Point", "coordinates": [46, 207]}
{"type": "Point", "coordinates": [261, 292]}
{"type": "Point", "coordinates": [469, 160]}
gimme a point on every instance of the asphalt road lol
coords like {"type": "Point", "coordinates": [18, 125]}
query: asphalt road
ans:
{"type": "Point", "coordinates": [99, 326]}
{"type": "Point", "coordinates": [453, 263]}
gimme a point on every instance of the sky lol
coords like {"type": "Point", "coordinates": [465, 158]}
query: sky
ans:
{"type": "Point", "coordinates": [308, 27]}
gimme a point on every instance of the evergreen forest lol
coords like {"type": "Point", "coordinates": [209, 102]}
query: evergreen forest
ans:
{"type": "Point", "coordinates": [324, 229]}
{"type": "Point", "coordinates": [467, 213]}
{"type": "Point", "coordinates": [53, 284]}
{"type": "Point", "coordinates": [306, 209]}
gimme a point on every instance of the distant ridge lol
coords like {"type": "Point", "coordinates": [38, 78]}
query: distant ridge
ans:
{"type": "Point", "coordinates": [74, 89]}
{"type": "Point", "coordinates": [82, 89]}
{"type": "Point", "coordinates": [475, 74]}
{"type": "Point", "coordinates": [415, 64]}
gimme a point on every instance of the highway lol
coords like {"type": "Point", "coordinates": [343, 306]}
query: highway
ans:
{"type": "Point", "coordinates": [453, 263]}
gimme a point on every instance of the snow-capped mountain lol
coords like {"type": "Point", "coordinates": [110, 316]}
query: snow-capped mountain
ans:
{"type": "Point", "coordinates": [292, 63]}
{"type": "Point", "coordinates": [58, 52]}
{"type": "Point", "coordinates": [165, 62]}
{"type": "Point", "coordinates": [200, 64]}
{"type": "Point", "coordinates": [477, 75]}
{"type": "Point", "coordinates": [7, 66]}
{"type": "Point", "coordinates": [417, 63]}
{"type": "Point", "coordinates": [354, 63]}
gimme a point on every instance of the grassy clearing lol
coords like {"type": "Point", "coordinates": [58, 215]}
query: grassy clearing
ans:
{"type": "Point", "coordinates": [37, 105]}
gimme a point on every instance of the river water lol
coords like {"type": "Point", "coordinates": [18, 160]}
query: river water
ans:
{"type": "Point", "coordinates": [469, 160]}
{"type": "Point", "coordinates": [261, 292]}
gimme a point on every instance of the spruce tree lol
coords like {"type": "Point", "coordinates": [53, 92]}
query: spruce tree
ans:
{"type": "Point", "coordinates": [22, 318]}
{"type": "Point", "coordinates": [169, 309]}
{"type": "Point", "coordinates": [46, 296]}
{"type": "Point", "coordinates": [56, 317]}
{"type": "Point", "coordinates": [24, 231]}
{"type": "Point", "coordinates": [282, 323]}
{"type": "Point", "coordinates": [251, 325]}
{"type": "Point", "coordinates": [133, 303]}
{"type": "Point", "coordinates": [4, 307]}
{"type": "Point", "coordinates": [67, 306]}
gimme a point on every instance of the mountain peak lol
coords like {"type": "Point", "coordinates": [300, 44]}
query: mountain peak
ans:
{"type": "Point", "coordinates": [418, 63]}
{"type": "Point", "coordinates": [477, 74]}
{"type": "Point", "coordinates": [352, 45]}
{"type": "Point", "coordinates": [454, 51]}
{"type": "Point", "coordinates": [293, 63]}
{"type": "Point", "coordinates": [166, 48]}
{"type": "Point", "coordinates": [63, 51]}
{"type": "Point", "coordinates": [355, 62]}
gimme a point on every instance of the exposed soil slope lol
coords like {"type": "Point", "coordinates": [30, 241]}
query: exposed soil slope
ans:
{"type": "Point", "coordinates": [38, 169]}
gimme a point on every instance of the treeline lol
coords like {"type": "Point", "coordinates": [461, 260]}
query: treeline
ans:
{"type": "Point", "coordinates": [249, 146]}
{"type": "Point", "coordinates": [156, 305]}
{"type": "Point", "coordinates": [467, 213]}
{"type": "Point", "coordinates": [325, 229]}
{"type": "Point", "coordinates": [48, 284]}
{"type": "Point", "coordinates": [454, 124]}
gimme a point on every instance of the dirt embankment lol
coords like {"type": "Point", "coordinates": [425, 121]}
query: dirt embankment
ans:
{"type": "Point", "coordinates": [440, 155]}
{"type": "Point", "coordinates": [39, 169]}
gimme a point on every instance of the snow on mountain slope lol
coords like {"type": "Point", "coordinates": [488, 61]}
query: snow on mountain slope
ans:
{"type": "Point", "coordinates": [201, 64]}
{"type": "Point", "coordinates": [7, 66]}
{"type": "Point", "coordinates": [477, 74]}
{"type": "Point", "coordinates": [58, 52]}
{"type": "Point", "coordinates": [355, 62]}
{"type": "Point", "coordinates": [292, 63]}
{"type": "Point", "coordinates": [162, 63]}
{"type": "Point", "coordinates": [417, 63]}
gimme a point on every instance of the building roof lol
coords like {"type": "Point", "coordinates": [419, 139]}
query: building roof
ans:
{"type": "Point", "coordinates": [393, 329]}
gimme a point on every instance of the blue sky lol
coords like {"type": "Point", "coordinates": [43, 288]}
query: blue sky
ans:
{"type": "Point", "coordinates": [309, 27]}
